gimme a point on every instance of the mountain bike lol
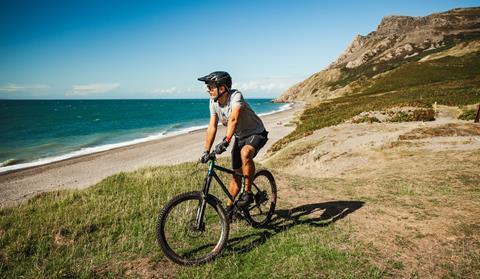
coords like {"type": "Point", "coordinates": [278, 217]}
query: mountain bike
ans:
{"type": "Point", "coordinates": [193, 227]}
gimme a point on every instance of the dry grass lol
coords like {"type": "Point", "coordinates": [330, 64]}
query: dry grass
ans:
{"type": "Point", "coordinates": [419, 192]}
{"type": "Point", "coordinates": [420, 213]}
{"type": "Point", "coordinates": [284, 157]}
{"type": "Point", "coordinates": [139, 268]}
{"type": "Point", "coordinates": [447, 130]}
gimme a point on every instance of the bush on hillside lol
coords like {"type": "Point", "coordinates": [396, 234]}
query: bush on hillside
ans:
{"type": "Point", "coordinates": [468, 114]}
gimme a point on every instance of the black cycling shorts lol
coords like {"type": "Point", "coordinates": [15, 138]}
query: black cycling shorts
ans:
{"type": "Point", "coordinates": [255, 140]}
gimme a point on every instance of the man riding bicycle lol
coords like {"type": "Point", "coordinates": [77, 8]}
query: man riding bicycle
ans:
{"type": "Point", "coordinates": [228, 106]}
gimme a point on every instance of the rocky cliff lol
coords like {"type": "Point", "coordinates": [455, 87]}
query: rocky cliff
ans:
{"type": "Point", "coordinates": [397, 40]}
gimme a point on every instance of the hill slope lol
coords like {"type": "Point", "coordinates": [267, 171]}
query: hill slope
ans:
{"type": "Point", "coordinates": [442, 67]}
{"type": "Point", "coordinates": [398, 40]}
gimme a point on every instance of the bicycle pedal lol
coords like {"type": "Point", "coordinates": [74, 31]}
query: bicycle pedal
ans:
{"type": "Point", "coordinates": [261, 197]}
{"type": "Point", "coordinates": [236, 215]}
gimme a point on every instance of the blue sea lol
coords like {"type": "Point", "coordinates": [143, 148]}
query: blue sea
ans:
{"type": "Point", "coordinates": [36, 132]}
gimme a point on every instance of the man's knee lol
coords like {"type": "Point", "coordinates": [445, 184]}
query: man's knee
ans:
{"type": "Point", "coordinates": [247, 153]}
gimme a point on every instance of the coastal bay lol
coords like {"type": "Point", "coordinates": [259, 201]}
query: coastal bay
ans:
{"type": "Point", "coordinates": [84, 171]}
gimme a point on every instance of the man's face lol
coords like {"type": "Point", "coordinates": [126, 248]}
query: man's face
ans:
{"type": "Point", "coordinates": [213, 90]}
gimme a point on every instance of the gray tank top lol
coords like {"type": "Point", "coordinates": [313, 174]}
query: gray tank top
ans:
{"type": "Point", "coordinates": [248, 122]}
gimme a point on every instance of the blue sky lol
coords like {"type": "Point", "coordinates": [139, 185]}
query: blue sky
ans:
{"type": "Point", "coordinates": [157, 49]}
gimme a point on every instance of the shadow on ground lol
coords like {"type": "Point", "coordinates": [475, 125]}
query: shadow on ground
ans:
{"type": "Point", "coordinates": [316, 215]}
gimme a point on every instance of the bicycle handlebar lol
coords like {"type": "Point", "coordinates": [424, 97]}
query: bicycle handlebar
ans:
{"type": "Point", "coordinates": [211, 156]}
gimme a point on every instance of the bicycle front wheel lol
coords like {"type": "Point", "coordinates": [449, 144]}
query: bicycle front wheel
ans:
{"type": "Point", "coordinates": [264, 191]}
{"type": "Point", "coordinates": [181, 238]}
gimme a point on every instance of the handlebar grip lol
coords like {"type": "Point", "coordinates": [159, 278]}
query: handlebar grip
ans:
{"type": "Point", "coordinates": [211, 156]}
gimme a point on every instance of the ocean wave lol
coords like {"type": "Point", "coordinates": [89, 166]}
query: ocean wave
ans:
{"type": "Point", "coordinates": [285, 107]}
{"type": "Point", "coordinates": [170, 132]}
{"type": "Point", "coordinates": [10, 162]}
{"type": "Point", "coordinates": [95, 149]}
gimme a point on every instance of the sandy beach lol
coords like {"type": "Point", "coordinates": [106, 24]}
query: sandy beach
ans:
{"type": "Point", "coordinates": [85, 171]}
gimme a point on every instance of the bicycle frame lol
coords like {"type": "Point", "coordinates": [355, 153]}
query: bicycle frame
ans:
{"type": "Point", "coordinates": [206, 187]}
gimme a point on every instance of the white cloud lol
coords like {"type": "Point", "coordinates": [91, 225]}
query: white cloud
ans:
{"type": "Point", "coordinates": [11, 87]}
{"type": "Point", "coordinates": [254, 88]}
{"type": "Point", "coordinates": [87, 89]}
{"type": "Point", "coordinates": [258, 86]}
{"type": "Point", "coordinates": [167, 91]}
{"type": "Point", "coordinates": [270, 84]}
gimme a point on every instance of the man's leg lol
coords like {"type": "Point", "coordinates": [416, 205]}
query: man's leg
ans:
{"type": "Point", "coordinates": [247, 153]}
{"type": "Point", "coordinates": [234, 186]}
{"type": "Point", "coordinates": [235, 182]}
{"type": "Point", "coordinates": [248, 166]}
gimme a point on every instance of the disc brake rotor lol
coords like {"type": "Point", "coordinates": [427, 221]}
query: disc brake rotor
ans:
{"type": "Point", "coordinates": [192, 230]}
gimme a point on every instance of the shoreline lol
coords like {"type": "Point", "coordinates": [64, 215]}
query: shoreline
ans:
{"type": "Point", "coordinates": [86, 170]}
{"type": "Point", "coordinates": [101, 148]}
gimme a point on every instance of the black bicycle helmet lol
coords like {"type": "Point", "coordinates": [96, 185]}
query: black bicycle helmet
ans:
{"type": "Point", "coordinates": [218, 78]}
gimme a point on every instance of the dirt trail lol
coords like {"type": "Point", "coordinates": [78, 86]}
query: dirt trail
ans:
{"type": "Point", "coordinates": [418, 181]}
{"type": "Point", "coordinates": [358, 149]}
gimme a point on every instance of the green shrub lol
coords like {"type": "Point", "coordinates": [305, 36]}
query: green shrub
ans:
{"type": "Point", "coordinates": [401, 116]}
{"type": "Point", "coordinates": [468, 114]}
{"type": "Point", "coordinates": [415, 115]}
{"type": "Point", "coordinates": [424, 115]}
{"type": "Point", "coordinates": [366, 119]}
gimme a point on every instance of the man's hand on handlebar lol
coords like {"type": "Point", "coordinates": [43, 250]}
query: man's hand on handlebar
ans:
{"type": "Point", "coordinates": [222, 147]}
{"type": "Point", "coordinates": [205, 156]}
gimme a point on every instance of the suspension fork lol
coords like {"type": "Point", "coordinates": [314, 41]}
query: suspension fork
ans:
{"type": "Point", "coordinates": [199, 223]}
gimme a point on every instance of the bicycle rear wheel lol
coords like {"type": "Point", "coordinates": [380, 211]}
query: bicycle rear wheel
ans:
{"type": "Point", "coordinates": [177, 233]}
{"type": "Point", "coordinates": [264, 190]}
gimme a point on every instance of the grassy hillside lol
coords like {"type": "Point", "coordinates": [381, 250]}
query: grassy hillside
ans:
{"type": "Point", "coordinates": [108, 230]}
{"type": "Point", "coordinates": [326, 228]}
{"type": "Point", "coordinates": [448, 81]}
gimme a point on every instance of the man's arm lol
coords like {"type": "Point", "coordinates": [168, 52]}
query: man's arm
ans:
{"type": "Point", "coordinates": [232, 122]}
{"type": "Point", "coordinates": [211, 132]}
